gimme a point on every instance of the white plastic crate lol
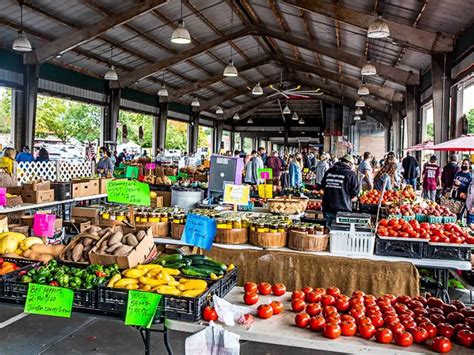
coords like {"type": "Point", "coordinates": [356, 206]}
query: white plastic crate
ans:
{"type": "Point", "coordinates": [351, 242]}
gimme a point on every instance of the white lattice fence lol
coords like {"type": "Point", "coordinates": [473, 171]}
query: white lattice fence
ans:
{"type": "Point", "coordinates": [53, 170]}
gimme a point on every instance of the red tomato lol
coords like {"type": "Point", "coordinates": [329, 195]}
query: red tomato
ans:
{"type": "Point", "coordinates": [313, 297]}
{"type": "Point", "coordinates": [383, 222]}
{"type": "Point", "coordinates": [470, 321]}
{"type": "Point", "coordinates": [434, 302]}
{"type": "Point", "coordinates": [421, 319]}
{"type": "Point", "coordinates": [332, 331]}
{"type": "Point", "coordinates": [420, 335]}
{"type": "Point", "coordinates": [342, 304]}
{"type": "Point", "coordinates": [403, 338]}
{"type": "Point", "coordinates": [298, 295]}
{"type": "Point", "coordinates": [455, 318]}
{"type": "Point", "coordinates": [298, 305]}
{"type": "Point", "coordinates": [400, 307]}
{"type": "Point", "coordinates": [366, 331]}
{"type": "Point", "coordinates": [412, 304]}
{"type": "Point", "coordinates": [383, 335]}
{"type": "Point", "coordinates": [364, 320]}
{"type": "Point", "coordinates": [250, 287]}
{"type": "Point", "coordinates": [277, 307]}
{"type": "Point", "coordinates": [264, 288]}
{"type": "Point", "coordinates": [278, 289]}
{"type": "Point", "coordinates": [358, 294]}
{"type": "Point", "coordinates": [328, 310]}
{"type": "Point", "coordinates": [264, 311]}
{"type": "Point", "coordinates": [302, 320]}
{"type": "Point", "coordinates": [442, 345]}
{"type": "Point", "coordinates": [377, 321]}
{"type": "Point", "coordinates": [320, 290]}
{"type": "Point", "coordinates": [405, 317]}
{"type": "Point", "coordinates": [250, 298]}
{"type": "Point", "coordinates": [465, 337]}
{"type": "Point", "coordinates": [334, 318]}
{"type": "Point", "coordinates": [317, 323]}
{"type": "Point", "coordinates": [458, 304]}
{"type": "Point", "coordinates": [445, 330]}
{"type": "Point", "coordinates": [391, 319]}
{"type": "Point", "coordinates": [328, 300]}
{"type": "Point", "coordinates": [448, 308]}
{"type": "Point", "coordinates": [437, 318]}
{"type": "Point", "coordinates": [403, 299]}
{"type": "Point", "coordinates": [333, 291]}
{"type": "Point", "coordinates": [348, 329]}
{"type": "Point", "coordinates": [313, 309]}
{"type": "Point", "coordinates": [430, 328]}
{"type": "Point", "coordinates": [307, 290]}
{"type": "Point", "coordinates": [396, 327]}
{"type": "Point", "coordinates": [347, 318]}
{"type": "Point", "coordinates": [421, 299]}
{"type": "Point", "coordinates": [461, 326]}
{"type": "Point", "coordinates": [420, 312]}
{"type": "Point", "coordinates": [209, 313]}
{"type": "Point", "coordinates": [409, 325]}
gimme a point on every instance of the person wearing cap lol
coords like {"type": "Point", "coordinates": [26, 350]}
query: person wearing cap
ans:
{"type": "Point", "coordinates": [431, 176]}
{"type": "Point", "coordinates": [340, 186]}
{"type": "Point", "coordinates": [24, 156]}
{"type": "Point", "coordinates": [321, 169]}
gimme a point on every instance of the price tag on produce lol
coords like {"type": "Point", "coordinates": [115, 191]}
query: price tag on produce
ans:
{"type": "Point", "coordinates": [150, 166]}
{"type": "Point", "coordinates": [129, 192]}
{"type": "Point", "coordinates": [199, 231]}
{"type": "Point", "coordinates": [131, 172]}
{"type": "Point", "coordinates": [237, 194]}
{"type": "Point", "coordinates": [49, 300]}
{"type": "Point", "coordinates": [265, 174]}
{"type": "Point", "coordinates": [141, 308]}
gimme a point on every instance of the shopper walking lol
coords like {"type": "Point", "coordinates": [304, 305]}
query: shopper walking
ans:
{"type": "Point", "coordinates": [387, 177]}
{"type": "Point", "coordinates": [263, 155]}
{"type": "Point", "coordinates": [410, 171]}
{"type": "Point", "coordinates": [294, 170]}
{"type": "Point", "coordinates": [366, 172]}
{"type": "Point", "coordinates": [25, 156]}
{"type": "Point", "coordinates": [321, 167]}
{"type": "Point", "coordinates": [274, 162]}
{"type": "Point", "coordinates": [449, 171]}
{"type": "Point", "coordinates": [431, 177]}
{"type": "Point", "coordinates": [340, 186]}
{"type": "Point", "coordinates": [251, 168]}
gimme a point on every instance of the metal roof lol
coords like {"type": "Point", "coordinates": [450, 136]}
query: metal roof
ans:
{"type": "Point", "coordinates": [144, 41]}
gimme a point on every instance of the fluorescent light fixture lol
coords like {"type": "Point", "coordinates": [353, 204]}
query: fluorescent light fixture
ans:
{"type": "Point", "coordinates": [257, 90]}
{"type": "Point", "coordinates": [295, 116]}
{"type": "Point", "coordinates": [356, 118]}
{"type": "Point", "coordinates": [360, 103]}
{"type": "Point", "coordinates": [378, 29]}
{"type": "Point", "coordinates": [368, 69]}
{"type": "Point", "coordinates": [363, 90]}
{"type": "Point", "coordinates": [236, 116]}
{"type": "Point", "coordinates": [219, 110]}
{"type": "Point", "coordinates": [195, 102]}
{"type": "Point", "coordinates": [21, 43]}
{"type": "Point", "coordinates": [163, 91]}
{"type": "Point", "coordinates": [111, 74]}
{"type": "Point", "coordinates": [358, 111]}
{"type": "Point", "coordinates": [286, 110]}
{"type": "Point", "coordinates": [301, 121]}
{"type": "Point", "coordinates": [230, 69]}
{"type": "Point", "coordinates": [181, 34]}
{"type": "Point", "coordinates": [250, 121]}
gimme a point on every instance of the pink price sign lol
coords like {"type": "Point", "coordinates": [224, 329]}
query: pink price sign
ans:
{"type": "Point", "coordinates": [3, 196]}
{"type": "Point", "coordinates": [150, 166]}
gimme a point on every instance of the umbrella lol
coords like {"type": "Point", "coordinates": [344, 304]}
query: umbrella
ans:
{"type": "Point", "coordinates": [428, 145]}
{"type": "Point", "coordinates": [460, 144]}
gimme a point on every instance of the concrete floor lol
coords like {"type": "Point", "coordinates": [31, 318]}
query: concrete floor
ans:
{"type": "Point", "coordinates": [82, 334]}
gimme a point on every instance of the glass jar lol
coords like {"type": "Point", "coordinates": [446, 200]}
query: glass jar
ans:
{"type": "Point", "coordinates": [105, 215]}
{"type": "Point", "coordinates": [138, 217]}
{"type": "Point", "coordinates": [153, 218]}
{"type": "Point", "coordinates": [112, 216]}
{"type": "Point", "coordinates": [120, 216]}
{"type": "Point", "coordinates": [164, 217]}
{"type": "Point", "coordinates": [261, 228]}
{"type": "Point", "coordinates": [237, 223]}
{"type": "Point", "coordinates": [144, 217]}
{"type": "Point", "coordinates": [310, 229]}
{"type": "Point", "coordinates": [221, 223]}
{"type": "Point", "coordinates": [273, 228]}
{"type": "Point", "coordinates": [282, 227]}
{"type": "Point", "coordinates": [252, 227]}
{"type": "Point", "coordinates": [229, 224]}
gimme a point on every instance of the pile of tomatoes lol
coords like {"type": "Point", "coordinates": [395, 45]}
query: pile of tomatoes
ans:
{"type": "Point", "coordinates": [434, 232]}
{"type": "Point", "coordinates": [264, 311]}
{"type": "Point", "coordinates": [403, 320]}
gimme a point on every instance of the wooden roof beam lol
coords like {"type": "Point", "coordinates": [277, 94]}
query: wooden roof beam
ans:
{"type": "Point", "coordinates": [83, 35]}
{"type": "Point", "coordinates": [425, 40]}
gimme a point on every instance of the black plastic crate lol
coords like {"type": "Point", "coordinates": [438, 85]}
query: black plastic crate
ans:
{"type": "Point", "coordinates": [62, 190]}
{"type": "Point", "coordinates": [368, 208]}
{"type": "Point", "coordinates": [401, 248]}
{"type": "Point", "coordinates": [447, 252]}
{"type": "Point", "coordinates": [227, 283]}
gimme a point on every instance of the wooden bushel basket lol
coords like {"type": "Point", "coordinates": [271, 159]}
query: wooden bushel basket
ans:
{"type": "Point", "coordinates": [177, 231]}
{"type": "Point", "coordinates": [268, 240]}
{"type": "Point", "coordinates": [307, 242]}
{"type": "Point", "coordinates": [287, 205]}
{"type": "Point", "coordinates": [158, 229]}
{"type": "Point", "coordinates": [232, 236]}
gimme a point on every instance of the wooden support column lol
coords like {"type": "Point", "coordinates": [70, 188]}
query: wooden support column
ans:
{"type": "Point", "coordinates": [413, 114]}
{"type": "Point", "coordinates": [110, 117]}
{"type": "Point", "coordinates": [441, 65]}
{"type": "Point", "coordinates": [389, 133]}
{"type": "Point", "coordinates": [396, 130]}
{"type": "Point", "coordinates": [25, 109]}
{"type": "Point", "coordinates": [232, 140]}
{"type": "Point", "coordinates": [162, 124]}
{"type": "Point", "coordinates": [194, 130]}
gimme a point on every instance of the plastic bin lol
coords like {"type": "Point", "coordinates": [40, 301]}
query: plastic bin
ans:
{"type": "Point", "coordinates": [409, 218]}
{"type": "Point", "coordinates": [421, 217]}
{"type": "Point", "coordinates": [350, 241]}
{"type": "Point", "coordinates": [399, 247]}
{"type": "Point", "coordinates": [447, 251]}
{"type": "Point", "coordinates": [449, 219]}
{"type": "Point", "coordinates": [435, 219]}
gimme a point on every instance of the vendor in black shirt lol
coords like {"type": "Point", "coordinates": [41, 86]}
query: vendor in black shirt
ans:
{"type": "Point", "coordinates": [462, 179]}
{"type": "Point", "coordinates": [341, 185]}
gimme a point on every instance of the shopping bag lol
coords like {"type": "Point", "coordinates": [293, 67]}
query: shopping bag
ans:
{"type": "Point", "coordinates": [213, 340]}
{"type": "Point", "coordinates": [43, 225]}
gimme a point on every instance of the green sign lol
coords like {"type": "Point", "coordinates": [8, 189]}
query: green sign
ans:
{"type": "Point", "coordinates": [130, 192]}
{"type": "Point", "coordinates": [141, 308]}
{"type": "Point", "coordinates": [266, 173]}
{"type": "Point", "coordinates": [131, 172]}
{"type": "Point", "coordinates": [49, 300]}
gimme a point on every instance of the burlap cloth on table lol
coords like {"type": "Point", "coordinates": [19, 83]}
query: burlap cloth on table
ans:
{"type": "Point", "coordinates": [297, 270]}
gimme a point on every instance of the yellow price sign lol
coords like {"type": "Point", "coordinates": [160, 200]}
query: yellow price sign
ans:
{"type": "Point", "coordinates": [237, 194]}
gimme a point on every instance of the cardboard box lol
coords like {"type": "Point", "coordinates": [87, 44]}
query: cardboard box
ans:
{"type": "Point", "coordinates": [166, 195]}
{"type": "Point", "coordinates": [37, 186]}
{"type": "Point", "coordinates": [3, 224]}
{"type": "Point", "coordinates": [103, 185]}
{"type": "Point", "coordinates": [156, 201]}
{"type": "Point", "coordinates": [90, 188]}
{"type": "Point", "coordinates": [84, 214]}
{"type": "Point", "coordinates": [15, 190]}
{"type": "Point", "coordinates": [137, 256]}
{"type": "Point", "coordinates": [14, 201]}
{"type": "Point", "coordinates": [19, 228]}
{"type": "Point", "coordinates": [76, 190]}
{"type": "Point", "coordinates": [40, 196]}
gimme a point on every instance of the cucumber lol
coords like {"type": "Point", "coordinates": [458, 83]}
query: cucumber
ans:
{"type": "Point", "coordinates": [195, 257]}
{"type": "Point", "coordinates": [163, 260]}
{"type": "Point", "coordinates": [178, 264]}
{"type": "Point", "coordinates": [209, 269]}
{"type": "Point", "coordinates": [210, 263]}
{"type": "Point", "coordinates": [193, 271]}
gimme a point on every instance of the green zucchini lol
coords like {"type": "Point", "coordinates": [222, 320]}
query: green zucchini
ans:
{"type": "Point", "coordinates": [195, 257]}
{"type": "Point", "coordinates": [178, 264]}
{"type": "Point", "coordinates": [163, 260]}
{"type": "Point", "coordinates": [193, 271]}
{"type": "Point", "coordinates": [209, 269]}
{"type": "Point", "coordinates": [211, 263]}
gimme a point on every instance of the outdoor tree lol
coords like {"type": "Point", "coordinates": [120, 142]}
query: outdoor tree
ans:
{"type": "Point", "coordinates": [133, 121]}
{"type": "Point", "coordinates": [5, 110]}
{"type": "Point", "coordinates": [176, 135]}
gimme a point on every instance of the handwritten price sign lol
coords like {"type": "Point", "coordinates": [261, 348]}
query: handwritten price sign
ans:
{"type": "Point", "coordinates": [49, 300]}
{"type": "Point", "coordinates": [236, 194]}
{"type": "Point", "coordinates": [129, 192]}
{"type": "Point", "coordinates": [199, 231]}
{"type": "Point", "coordinates": [141, 308]}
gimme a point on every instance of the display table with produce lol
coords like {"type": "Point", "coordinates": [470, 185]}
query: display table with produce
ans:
{"type": "Point", "coordinates": [281, 330]}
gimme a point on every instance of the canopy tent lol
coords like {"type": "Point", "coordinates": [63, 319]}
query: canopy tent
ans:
{"type": "Point", "coordinates": [129, 146]}
{"type": "Point", "coordinates": [461, 144]}
{"type": "Point", "coordinates": [427, 145]}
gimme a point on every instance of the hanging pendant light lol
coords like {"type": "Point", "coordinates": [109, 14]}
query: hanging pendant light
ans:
{"type": "Point", "coordinates": [368, 69]}
{"type": "Point", "coordinates": [301, 121]}
{"type": "Point", "coordinates": [163, 92]}
{"type": "Point", "coordinates": [219, 110]}
{"type": "Point", "coordinates": [111, 73]}
{"type": "Point", "coordinates": [250, 121]}
{"type": "Point", "coordinates": [360, 103]}
{"type": "Point", "coordinates": [257, 90]}
{"type": "Point", "coordinates": [378, 29]}
{"type": "Point", "coordinates": [236, 116]}
{"type": "Point", "coordinates": [231, 70]}
{"type": "Point", "coordinates": [286, 110]}
{"type": "Point", "coordinates": [356, 118]}
{"type": "Point", "coordinates": [295, 116]}
{"type": "Point", "coordinates": [195, 102]}
{"type": "Point", "coordinates": [358, 111]}
{"type": "Point", "coordinates": [21, 43]}
{"type": "Point", "coordinates": [181, 34]}
{"type": "Point", "coordinates": [363, 90]}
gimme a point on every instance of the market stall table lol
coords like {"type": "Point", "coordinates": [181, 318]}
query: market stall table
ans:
{"type": "Point", "coordinates": [281, 330]}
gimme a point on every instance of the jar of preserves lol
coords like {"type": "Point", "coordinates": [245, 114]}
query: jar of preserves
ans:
{"type": "Point", "coordinates": [221, 223]}
{"type": "Point", "coordinates": [252, 227]}
{"type": "Point", "coordinates": [153, 218]}
{"type": "Point", "coordinates": [273, 228]}
{"type": "Point", "coordinates": [310, 228]}
{"type": "Point", "coordinates": [261, 227]}
{"type": "Point", "coordinates": [105, 214]}
{"type": "Point", "coordinates": [282, 227]}
{"type": "Point", "coordinates": [112, 216]}
{"type": "Point", "coordinates": [237, 223]}
{"type": "Point", "coordinates": [164, 217]}
{"type": "Point", "coordinates": [120, 216]}
{"type": "Point", "coordinates": [144, 217]}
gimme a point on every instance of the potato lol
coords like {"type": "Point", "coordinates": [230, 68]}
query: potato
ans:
{"type": "Point", "coordinates": [123, 250]}
{"type": "Point", "coordinates": [124, 239]}
{"type": "Point", "coordinates": [113, 247]}
{"type": "Point", "coordinates": [44, 258]}
{"type": "Point", "coordinates": [57, 249]}
{"type": "Point", "coordinates": [87, 241]}
{"type": "Point", "coordinates": [140, 235]}
{"type": "Point", "coordinates": [94, 229]}
{"type": "Point", "coordinates": [114, 238]}
{"type": "Point", "coordinates": [36, 256]}
{"type": "Point", "coordinates": [104, 231]}
{"type": "Point", "coordinates": [132, 240]}
{"type": "Point", "coordinates": [44, 249]}
{"type": "Point", "coordinates": [77, 252]}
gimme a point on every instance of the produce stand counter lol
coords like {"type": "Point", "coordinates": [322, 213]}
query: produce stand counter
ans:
{"type": "Point", "coordinates": [281, 330]}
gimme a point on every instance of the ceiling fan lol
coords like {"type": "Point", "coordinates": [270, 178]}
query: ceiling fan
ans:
{"type": "Point", "coordinates": [295, 92]}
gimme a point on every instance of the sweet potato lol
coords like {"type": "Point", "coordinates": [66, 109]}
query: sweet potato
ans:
{"type": "Point", "coordinates": [140, 235]}
{"type": "Point", "coordinates": [123, 250]}
{"type": "Point", "coordinates": [77, 252]}
{"type": "Point", "coordinates": [87, 241]}
{"type": "Point", "coordinates": [114, 238]}
{"type": "Point", "coordinates": [113, 247]}
{"type": "Point", "coordinates": [44, 258]}
{"type": "Point", "coordinates": [132, 240]}
{"type": "Point", "coordinates": [44, 249]}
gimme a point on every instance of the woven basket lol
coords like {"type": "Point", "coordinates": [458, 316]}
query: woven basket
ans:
{"type": "Point", "coordinates": [287, 205]}
{"type": "Point", "coordinates": [158, 229]}
{"type": "Point", "coordinates": [268, 240]}
{"type": "Point", "coordinates": [177, 231]}
{"type": "Point", "coordinates": [232, 236]}
{"type": "Point", "coordinates": [307, 242]}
